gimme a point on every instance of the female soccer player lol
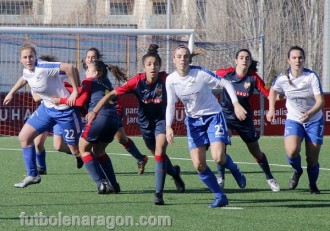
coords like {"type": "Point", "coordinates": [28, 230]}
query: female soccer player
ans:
{"type": "Point", "coordinates": [244, 80]}
{"type": "Point", "coordinates": [43, 78]}
{"type": "Point", "coordinates": [149, 89]}
{"type": "Point", "coordinates": [205, 122]}
{"type": "Point", "coordinates": [92, 54]}
{"type": "Point", "coordinates": [304, 120]}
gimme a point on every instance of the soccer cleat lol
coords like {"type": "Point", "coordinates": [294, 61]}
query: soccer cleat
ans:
{"type": "Point", "coordinates": [141, 164]}
{"type": "Point", "coordinates": [116, 188]}
{"type": "Point", "coordinates": [274, 186]}
{"type": "Point", "coordinates": [180, 186]}
{"type": "Point", "coordinates": [239, 177]}
{"type": "Point", "coordinates": [221, 182]}
{"type": "Point", "coordinates": [105, 187]}
{"type": "Point", "coordinates": [28, 181]}
{"type": "Point", "coordinates": [159, 199]}
{"type": "Point", "coordinates": [314, 190]}
{"type": "Point", "coordinates": [294, 180]}
{"type": "Point", "coordinates": [80, 162]}
{"type": "Point", "coordinates": [219, 202]}
{"type": "Point", "coordinates": [42, 171]}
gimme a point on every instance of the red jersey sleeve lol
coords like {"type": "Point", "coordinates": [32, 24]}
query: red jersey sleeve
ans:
{"type": "Point", "coordinates": [130, 85]}
{"type": "Point", "coordinates": [84, 92]}
{"type": "Point", "coordinates": [260, 84]}
{"type": "Point", "coordinates": [223, 72]}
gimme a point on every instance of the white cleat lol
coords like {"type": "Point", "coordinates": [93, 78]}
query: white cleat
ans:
{"type": "Point", "coordinates": [274, 186]}
{"type": "Point", "coordinates": [27, 181]}
{"type": "Point", "coordinates": [221, 182]}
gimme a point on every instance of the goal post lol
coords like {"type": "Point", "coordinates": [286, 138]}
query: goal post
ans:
{"type": "Point", "coordinates": [120, 47]}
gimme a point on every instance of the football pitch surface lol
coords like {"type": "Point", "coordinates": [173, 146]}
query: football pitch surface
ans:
{"type": "Point", "coordinates": [66, 198]}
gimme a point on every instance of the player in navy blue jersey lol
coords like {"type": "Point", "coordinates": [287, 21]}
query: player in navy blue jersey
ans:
{"type": "Point", "coordinates": [205, 123]}
{"type": "Point", "coordinates": [43, 78]}
{"type": "Point", "coordinates": [304, 120]}
{"type": "Point", "coordinates": [98, 133]}
{"type": "Point", "coordinates": [244, 80]}
{"type": "Point", "coordinates": [92, 54]}
{"type": "Point", "coordinates": [149, 89]}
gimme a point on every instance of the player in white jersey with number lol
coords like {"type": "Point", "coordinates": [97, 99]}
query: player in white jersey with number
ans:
{"type": "Point", "coordinates": [205, 122]}
{"type": "Point", "coordinates": [43, 78]}
{"type": "Point", "coordinates": [304, 103]}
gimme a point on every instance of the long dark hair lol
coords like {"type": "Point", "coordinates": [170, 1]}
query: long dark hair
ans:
{"type": "Point", "coordinates": [254, 64]}
{"type": "Point", "coordinates": [98, 56]}
{"type": "Point", "coordinates": [293, 48]}
{"type": "Point", "coordinates": [102, 69]}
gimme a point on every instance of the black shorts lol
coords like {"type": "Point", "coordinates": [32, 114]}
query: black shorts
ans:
{"type": "Point", "coordinates": [245, 129]}
{"type": "Point", "coordinates": [149, 130]}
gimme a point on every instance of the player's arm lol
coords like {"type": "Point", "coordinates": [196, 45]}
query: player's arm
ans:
{"type": "Point", "coordinates": [18, 85]}
{"type": "Point", "coordinates": [271, 108]}
{"type": "Point", "coordinates": [70, 71]}
{"type": "Point", "coordinates": [170, 109]}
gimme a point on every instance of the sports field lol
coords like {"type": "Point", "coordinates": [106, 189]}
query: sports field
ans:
{"type": "Point", "coordinates": [66, 199]}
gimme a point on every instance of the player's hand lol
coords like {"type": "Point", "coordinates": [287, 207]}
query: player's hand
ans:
{"type": "Point", "coordinates": [72, 99]}
{"type": "Point", "coordinates": [270, 116]}
{"type": "Point", "coordinates": [169, 135]}
{"type": "Point", "coordinates": [7, 99]}
{"type": "Point", "coordinates": [304, 118]}
{"type": "Point", "coordinates": [240, 112]}
{"type": "Point", "coordinates": [55, 101]}
{"type": "Point", "coordinates": [90, 116]}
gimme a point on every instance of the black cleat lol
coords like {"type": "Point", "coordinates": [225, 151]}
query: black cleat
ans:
{"type": "Point", "coordinates": [80, 162]}
{"type": "Point", "coordinates": [159, 199]}
{"type": "Point", "coordinates": [314, 190]}
{"type": "Point", "coordinates": [42, 171]}
{"type": "Point", "coordinates": [294, 180]}
{"type": "Point", "coordinates": [180, 186]}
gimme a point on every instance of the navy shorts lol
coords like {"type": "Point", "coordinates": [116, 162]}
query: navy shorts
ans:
{"type": "Point", "coordinates": [102, 129]}
{"type": "Point", "coordinates": [149, 130]}
{"type": "Point", "coordinates": [245, 129]}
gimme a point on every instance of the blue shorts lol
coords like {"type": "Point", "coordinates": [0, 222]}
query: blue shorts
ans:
{"type": "Point", "coordinates": [102, 129]}
{"type": "Point", "coordinates": [149, 131]}
{"type": "Point", "coordinates": [206, 129]}
{"type": "Point", "coordinates": [312, 132]}
{"type": "Point", "coordinates": [57, 131]}
{"type": "Point", "coordinates": [69, 120]}
{"type": "Point", "coordinates": [245, 129]}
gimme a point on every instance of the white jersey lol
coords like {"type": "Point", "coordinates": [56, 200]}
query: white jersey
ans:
{"type": "Point", "coordinates": [47, 82]}
{"type": "Point", "coordinates": [300, 94]}
{"type": "Point", "coordinates": [195, 92]}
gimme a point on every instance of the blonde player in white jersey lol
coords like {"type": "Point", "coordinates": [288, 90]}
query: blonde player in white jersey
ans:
{"type": "Point", "coordinates": [205, 122]}
{"type": "Point", "coordinates": [43, 78]}
{"type": "Point", "coordinates": [304, 120]}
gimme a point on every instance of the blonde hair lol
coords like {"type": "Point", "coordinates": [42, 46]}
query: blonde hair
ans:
{"type": "Point", "coordinates": [28, 46]}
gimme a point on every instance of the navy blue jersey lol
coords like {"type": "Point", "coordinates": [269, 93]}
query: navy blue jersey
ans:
{"type": "Point", "coordinates": [151, 97]}
{"type": "Point", "coordinates": [244, 87]}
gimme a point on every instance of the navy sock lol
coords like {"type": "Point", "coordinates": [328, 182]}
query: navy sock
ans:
{"type": "Point", "coordinates": [160, 173]}
{"type": "Point", "coordinates": [313, 173]}
{"type": "Point", "coordinates": [41, 159]}
{"type": "Point", "coordinates": [169, 167]}
{"type": "Point", "coordinates": [106, 165]}
{"type": "Point", "coordinates": [221, 171]}
{"type": "Point", "coordinates": [29, 157]}
{"type": "Point", "coordinates": [295, 163]}
{"type": "Point", "coordinates": [210, 181]}
{"type": "Point", "coordinates": [133, 150]}
{"type": "Point", "coordinates": [264, 165]}
{"type": "Point", "coordinates": [94, 169]}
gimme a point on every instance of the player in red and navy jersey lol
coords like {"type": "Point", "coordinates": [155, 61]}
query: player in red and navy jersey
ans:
{"type": "Point", "coordinates": [149, 89]}
{"type": "Point", "coordinates": [92, 54]}
{"type": "Point", "coordinates": [245, 80]}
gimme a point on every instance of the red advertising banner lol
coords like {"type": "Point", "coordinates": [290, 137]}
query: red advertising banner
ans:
{"type": "Point", "coordinates": [13, 116]}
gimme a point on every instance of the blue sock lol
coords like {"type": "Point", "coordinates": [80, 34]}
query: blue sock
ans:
{"type": "Point", "coordinates": [41, 159]}
{"type": "Point", "coordinates": [210, 181]}
{"type": "Point", "coordinates": [230, 164]}
{"type": "Point", "coordinates": [160, 173]}
{"type": "Point", "coordinates": [133, 150]}
{"type": "Point", "coordinates": [221, 171]}
{"type": "Point", "coordinates": [313, 173]}
{"type": "Point", "coordinates": [106, 165]}
{"type": "Point", "coordinates": [29, 157]}
{"type": "Point", "coordinates": [94, 169]}
{"type": "Point", "coordinates": [264, 165]}
{"type": "Point", "coordinates": [295, 163]}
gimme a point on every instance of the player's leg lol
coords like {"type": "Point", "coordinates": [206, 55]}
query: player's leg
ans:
{"type": "Point", "coordinates": [39, 143]}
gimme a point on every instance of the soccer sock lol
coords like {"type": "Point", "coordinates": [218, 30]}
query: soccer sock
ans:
{"type": "Point", "coordinates": [210, 181]}
{"type": "Point", "coordinates": [106, 165]}
{"type": "Point", "coordinates": [170, 170]}
{"type": "Point", "coordinates": [313, 173]}
{"type": "Point", "coordinates": [160, 173]}
{"type": "Point", "coordinates": [133, 150]}
{"type": "Point", "coordinates": [264, 165]}
{"type": "Point", "coordinates": [295, 163]}
{"type": "Point", "coordinates": [41, 159]}
{"type": "Point", "coordinates": [231, 165]}
{"type": "Point", "coordinates": [94, 169]}
{"type": "Point", "coordinates": [29, 157]}
{"type": "Point", "coordinates": [221, 171]}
